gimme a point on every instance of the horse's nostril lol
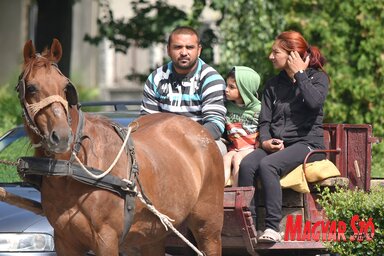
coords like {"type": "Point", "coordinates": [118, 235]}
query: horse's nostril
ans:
{"type": "Point", "coordinates": [55, 139]}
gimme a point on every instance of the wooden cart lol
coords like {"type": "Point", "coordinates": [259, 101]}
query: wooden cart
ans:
{"type": "Point", "coordinates": [348, 147]}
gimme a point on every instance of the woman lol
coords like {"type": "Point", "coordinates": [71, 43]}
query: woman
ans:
{"type": "Point", "coordinates": [290, 123]}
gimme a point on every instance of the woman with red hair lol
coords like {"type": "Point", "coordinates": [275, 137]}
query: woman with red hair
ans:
{"type": "Point", "coordinates": [290, 123]}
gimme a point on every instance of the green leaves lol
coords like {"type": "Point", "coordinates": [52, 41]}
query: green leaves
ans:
{"type": "Point", "coordinates": [343, 205]}
{"type": "Point", "coordinates": [149, 25]}
{"type": "Point", "coordinates": [349, 34]}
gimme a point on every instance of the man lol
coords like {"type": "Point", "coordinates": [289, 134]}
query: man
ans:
{"type": "Point", "coordinates": [187, 85]}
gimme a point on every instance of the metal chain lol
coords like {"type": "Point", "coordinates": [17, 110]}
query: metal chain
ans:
{"type": "Point", "coordinates": [8, 162]}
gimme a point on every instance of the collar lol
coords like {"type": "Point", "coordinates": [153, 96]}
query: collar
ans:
{"type": "Point", "coordinates": [185, 77]}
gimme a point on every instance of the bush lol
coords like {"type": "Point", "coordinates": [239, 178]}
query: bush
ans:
{"type": "Point", "coordinates": [343, 205]}
{"type": "Point", "coordinates": [10, 108]}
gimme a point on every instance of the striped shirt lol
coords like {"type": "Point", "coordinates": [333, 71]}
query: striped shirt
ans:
{"type": "Point", "coordinates": [198, 95]}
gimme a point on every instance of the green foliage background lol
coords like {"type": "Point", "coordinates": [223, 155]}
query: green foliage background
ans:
{"type": "Point", "coordinates": [342, 205]}
{"type": "Point", "coordinates": [350, 35]}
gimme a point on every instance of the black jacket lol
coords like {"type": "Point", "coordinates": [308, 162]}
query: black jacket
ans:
{"type": "Point", "coordinates": [294, 111]}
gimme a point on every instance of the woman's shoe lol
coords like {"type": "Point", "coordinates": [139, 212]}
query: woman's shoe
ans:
{"type": "Point", "coordinates": [270, 236]}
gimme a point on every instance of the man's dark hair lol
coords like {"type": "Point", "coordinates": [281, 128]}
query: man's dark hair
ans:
{"type": "Point", "coordinates": [184, 30]}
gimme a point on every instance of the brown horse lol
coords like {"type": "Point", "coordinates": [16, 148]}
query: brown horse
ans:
{"type": "Point", "coordinates": [179, 168]}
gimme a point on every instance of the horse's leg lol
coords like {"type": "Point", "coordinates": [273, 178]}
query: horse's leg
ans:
{"type": "Point", "coordinates": [187, 250]}
{"type": "Point", "coordinates": [63, 249]}
{"type": "Point", "coordinates": [153, 249]}
{"type": "Point", "coordinates": [107, 244]}
{"type": "Point", "coordinates": [206, 227]}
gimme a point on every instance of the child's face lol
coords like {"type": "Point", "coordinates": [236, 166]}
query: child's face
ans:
{"type": "Point", "coordinates": [232, 92]}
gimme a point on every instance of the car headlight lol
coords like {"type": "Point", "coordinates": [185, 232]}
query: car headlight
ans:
{"type": "Point", "coordinates": [26, 242]}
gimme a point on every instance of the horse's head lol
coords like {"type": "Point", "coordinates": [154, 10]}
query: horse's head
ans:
{"type": "Point", "coordinates": [46, 96]}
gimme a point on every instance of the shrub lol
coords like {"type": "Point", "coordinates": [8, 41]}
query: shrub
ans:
{"type": "Point", "coordinates": [10, 108]}
{"type": "Point", "coordinates": [343, 205]}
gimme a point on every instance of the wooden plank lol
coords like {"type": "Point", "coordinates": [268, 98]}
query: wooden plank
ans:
{"type": "Point", "coordinates": [291, 198]}
{"type": "Point", "coordinates": [21, 202]}
{"type": "Point", "coordinates": [286, 211]}
{"type": "Point", "coordinates": [231, 194]}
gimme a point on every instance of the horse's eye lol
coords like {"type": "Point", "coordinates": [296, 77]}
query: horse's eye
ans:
{"type": "Point", "coordinates": [31, 89]}
{"type": "Point", "coordinates": [66, 88]}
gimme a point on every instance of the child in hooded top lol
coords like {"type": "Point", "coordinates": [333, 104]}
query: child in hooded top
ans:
{"type": "Point", "coordinates": [243, 108]}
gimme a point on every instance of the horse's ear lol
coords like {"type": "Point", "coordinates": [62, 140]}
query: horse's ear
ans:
{"type": "Point", "coordinates": [29, 51]}
{"type": "Point", "coordinates": [56, 51]}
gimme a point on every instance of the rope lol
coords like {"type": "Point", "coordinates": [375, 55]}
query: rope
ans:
{"type": "Point", "coordinates": [112, 165]}
{"type": "Point", "coordinates": [166, 221]}
{"type": "Point", "coordinates": [33, 109]}
{"type": "Point", "coordinates": [8, 162]}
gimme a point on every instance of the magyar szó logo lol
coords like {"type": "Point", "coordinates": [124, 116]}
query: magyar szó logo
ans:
{"type": "Point", "coordinates": [331, 231]}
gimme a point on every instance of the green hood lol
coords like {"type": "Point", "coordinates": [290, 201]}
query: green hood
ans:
{"type": "Point", "coordinates": [248, 82]}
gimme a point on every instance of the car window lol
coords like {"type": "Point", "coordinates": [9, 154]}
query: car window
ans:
{"type": "Point", "coordinates": [18, 148]}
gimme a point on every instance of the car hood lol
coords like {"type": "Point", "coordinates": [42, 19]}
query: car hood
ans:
{"type": "Point", "coordinates": [15, 219]}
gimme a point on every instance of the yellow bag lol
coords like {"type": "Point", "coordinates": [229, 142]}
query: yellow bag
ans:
{"type": "Point", "coordinates": [320, 170]}
{"type": "Point", "coordinates": [295, 180]}
{"type": "Point", "coordinates": [315, 171]}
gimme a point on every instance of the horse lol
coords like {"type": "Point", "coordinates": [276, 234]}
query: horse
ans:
{"type": "Point", "coordinates": [178, 168]}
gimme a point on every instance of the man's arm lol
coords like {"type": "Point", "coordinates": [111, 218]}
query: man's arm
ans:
{"type": "Point", "coordinates": [149, 103]}
{"type": "Point", "coordinates": [213, 95]}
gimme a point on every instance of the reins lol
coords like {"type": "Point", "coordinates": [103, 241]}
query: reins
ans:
{"type": "Point", "coordinates": [113, 163]}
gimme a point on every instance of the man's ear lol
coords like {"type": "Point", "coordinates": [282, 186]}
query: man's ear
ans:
{"type": "Point", "coordinates": [200, 49]}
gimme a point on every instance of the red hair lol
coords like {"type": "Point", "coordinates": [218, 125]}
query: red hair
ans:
{"type": "Point", "coordinates": [294, 41]}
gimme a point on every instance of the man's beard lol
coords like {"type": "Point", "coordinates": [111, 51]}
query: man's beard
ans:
{"type": "Point", "coordinates": [187, 66]}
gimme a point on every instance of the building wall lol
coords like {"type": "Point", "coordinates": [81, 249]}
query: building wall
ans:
{"type": "Point", "coordinates": [13, 30]}
{"type": "Point", "coordinates": [91, 66]}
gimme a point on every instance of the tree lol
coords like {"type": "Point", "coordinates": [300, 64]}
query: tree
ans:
{"type": "Point", "coordinates": [349, 34]}
{"type": "Point", "coordinates": [151, 23]}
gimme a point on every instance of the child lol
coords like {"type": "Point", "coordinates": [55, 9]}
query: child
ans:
{"type": "Point", "coordinates": [243, 108]}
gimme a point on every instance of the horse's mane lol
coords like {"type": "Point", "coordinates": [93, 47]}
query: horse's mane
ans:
{"type": "Point", "coordinates": [39, 60]}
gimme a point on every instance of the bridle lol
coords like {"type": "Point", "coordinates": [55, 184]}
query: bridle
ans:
{"type": "Point", "coordinates": [31, 110]}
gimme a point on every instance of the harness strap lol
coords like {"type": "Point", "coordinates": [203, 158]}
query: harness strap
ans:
{"type": "Point", "coordinates": [134, 166]}
{"type": "Point", "coordinates": [129, 207]}
{"type": "Point", "coordinates": [52, 167]}
{"type": "Point", "coordinates": [79, 136]}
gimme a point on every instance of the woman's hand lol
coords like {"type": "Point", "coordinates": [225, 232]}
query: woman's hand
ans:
{"type": "Point", "coordinates": [273, 145]}
{"type": "Point", "coordinates": [296, 63]}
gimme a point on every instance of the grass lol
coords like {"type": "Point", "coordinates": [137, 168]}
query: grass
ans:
{"type": "Point", "coordinates": [22, 147]}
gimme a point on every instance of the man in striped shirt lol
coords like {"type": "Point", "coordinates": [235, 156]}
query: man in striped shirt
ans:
{"type": "Point", "coordinates": [187, 85]}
